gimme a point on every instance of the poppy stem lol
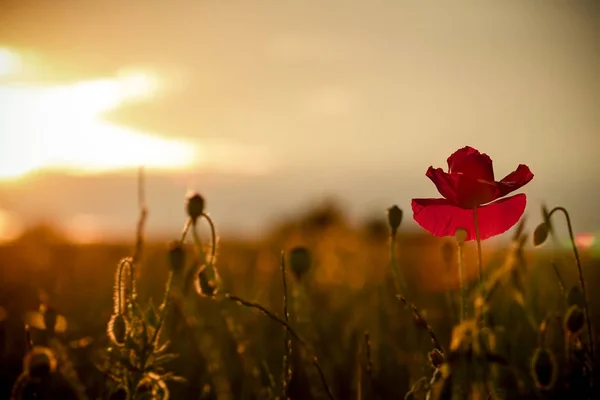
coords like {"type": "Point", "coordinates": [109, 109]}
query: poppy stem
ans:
{"type": "Point", "coordinates": [581, 280]}
{"type": "Point", "coordinates": [480, 257]}
{"type": "Point", "coordinates": [463, 291]}
{"type": "Point", "coordinates": [478, 237]}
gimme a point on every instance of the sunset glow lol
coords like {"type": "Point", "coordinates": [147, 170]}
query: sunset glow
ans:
{"type": "Point", "coordinates": [61, 126]}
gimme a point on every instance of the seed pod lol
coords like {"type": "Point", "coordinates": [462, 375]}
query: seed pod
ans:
{"type": "Point", "coordinates": [117, 329]}
{"type": "Point", "coordinates": [540, 234]}
{"type": "Point", "coordinates": [394, 215]}
{"type": "Point", "coordinates": [574, 319]}
{"type": "Point", "coordinates": [195, 206]}
{"type": "Point", "coordinates": [436, 358]}
{"type": "Point", "coordinates": [176, 257]}
{"type": "Point", "coordinates": [39, 362]}
{"type": "Point", "coordinates": [300, 261]}
{"type": "Point", "coordinates": [543, 368]}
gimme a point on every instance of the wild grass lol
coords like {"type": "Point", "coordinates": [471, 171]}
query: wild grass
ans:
{"type": "Point", "coordinates": [317, 309]}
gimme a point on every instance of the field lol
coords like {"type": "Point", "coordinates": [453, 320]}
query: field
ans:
{"type": "Point", "coordinates": [515, 341]}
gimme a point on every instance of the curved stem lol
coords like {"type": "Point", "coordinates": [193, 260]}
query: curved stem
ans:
{"type": "Point", "coordinates": [120, 298]}
{"type": "Point", "coordinates": [213, 234]}
{"type": "Point", "coordinates": [580, 270]}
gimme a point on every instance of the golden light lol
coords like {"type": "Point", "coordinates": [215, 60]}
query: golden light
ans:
{"type": "Point", "coordinates": [10, 226]}
{"type": "Point", "coordinates": [61, 126]}
{"type": "Point", "coordinates": [10, 62]}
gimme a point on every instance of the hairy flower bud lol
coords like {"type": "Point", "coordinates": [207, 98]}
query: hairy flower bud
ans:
{"type": "Point", "coordinates": [574, 319]}
{"type": "Point", "coordinates": [39, 362]}
{"type": "Point", "coordinates": [195, 206]}
{"type": "Point", "coordinates": [207, 282]}
{"type": "Point", "coordinates": [394, 215]}
{"type": "Point", "coordinates": [543, 368]}
{"type": "Point", "coordinates": [300, 261]}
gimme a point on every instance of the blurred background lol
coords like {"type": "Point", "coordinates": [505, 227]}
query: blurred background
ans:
{"type": "Point", "coordinates": [267, 108]}
{"type": "Point", "coordinates": [300, 123]}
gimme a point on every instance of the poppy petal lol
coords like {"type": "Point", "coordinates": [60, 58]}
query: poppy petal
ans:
{"type": "Point", "coordinates": [472, 163]}
{"type": "Point", "coordinates": [461, 190]}
{"type": "Point", "coordinates": [442, 218]}
{"type": "Point", "coordinates": [445, 183]}
{"type": "Point", "coordinates": [515, 180]}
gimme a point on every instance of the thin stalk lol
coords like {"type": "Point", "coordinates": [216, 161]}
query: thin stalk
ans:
{"type": "Point", "coordinates": [422, 322]}
{"type": "Point", "coordinates": [463, 289]}
{"type": "Point", "coordinates": [581, 280]}
{"type": "Point", "coordinates": [400, 286]}
{"type": "Point", "coordinates": [292, 332]}
{"type": "Point", "coordinates": [139, 244]}
{"type": "Point", "coordinates": [213, 234]}
{"type": "Point", "coordinates": [165, 302]}
{"type": "Point", "coordinates": [287, 340]}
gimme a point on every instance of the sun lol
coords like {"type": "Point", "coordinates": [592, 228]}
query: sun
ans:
{"type": "Point", "coordinates": [61, 126]}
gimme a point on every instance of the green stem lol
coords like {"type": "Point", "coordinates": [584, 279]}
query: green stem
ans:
{"type": "Point", "coordinates": [478, 237]}
{"type": "Point", "coordinates": [581, 280]}
{"type": "Point", "coordinates": [400, 287]}
{"type": "Point", "coordinates": [463, 291]}
{"type": "Point", "coordinates": [479, 256]}
{"type": "Point", "coordinates": [167, 295]}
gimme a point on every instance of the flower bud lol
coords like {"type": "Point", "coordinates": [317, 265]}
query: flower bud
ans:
{"type": "Point", "coordinates": [436, 358]}
{"type": "Point", "coordinates": [207, 282]}
{"type": "Point", "coordinates": [195, 206]}
{"type": "Point", "coordinates": [394, 215]}
{"type": "Point", "coordinates": [543, 368]}
{"type": "Point", "coordinates": [461, 236]}
{"type": "Point", "coordinates": [300, 261]}
{"type": "Point", "coordinates": [39, 362]}
{"type": "Point", "coordinates": [574, 319]}
{"type": "Point", "coordinates": [540, 234]}
{"type": "Point", "coordinates": [117, 329]}
{"type": "Point", "coordinates": [176, 256]}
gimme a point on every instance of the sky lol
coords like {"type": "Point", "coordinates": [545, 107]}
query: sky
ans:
{"type": "Point", "coordinates": [267, 106]}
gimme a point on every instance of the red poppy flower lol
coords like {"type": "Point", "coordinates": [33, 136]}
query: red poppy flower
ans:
{"type": "Point", "coordinates": [469, 184]}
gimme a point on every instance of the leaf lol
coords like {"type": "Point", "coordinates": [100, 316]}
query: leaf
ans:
{"type": "Point", "coordinates": [165, 359]}
{"type": "Point", "coordinates": [151, 315]}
